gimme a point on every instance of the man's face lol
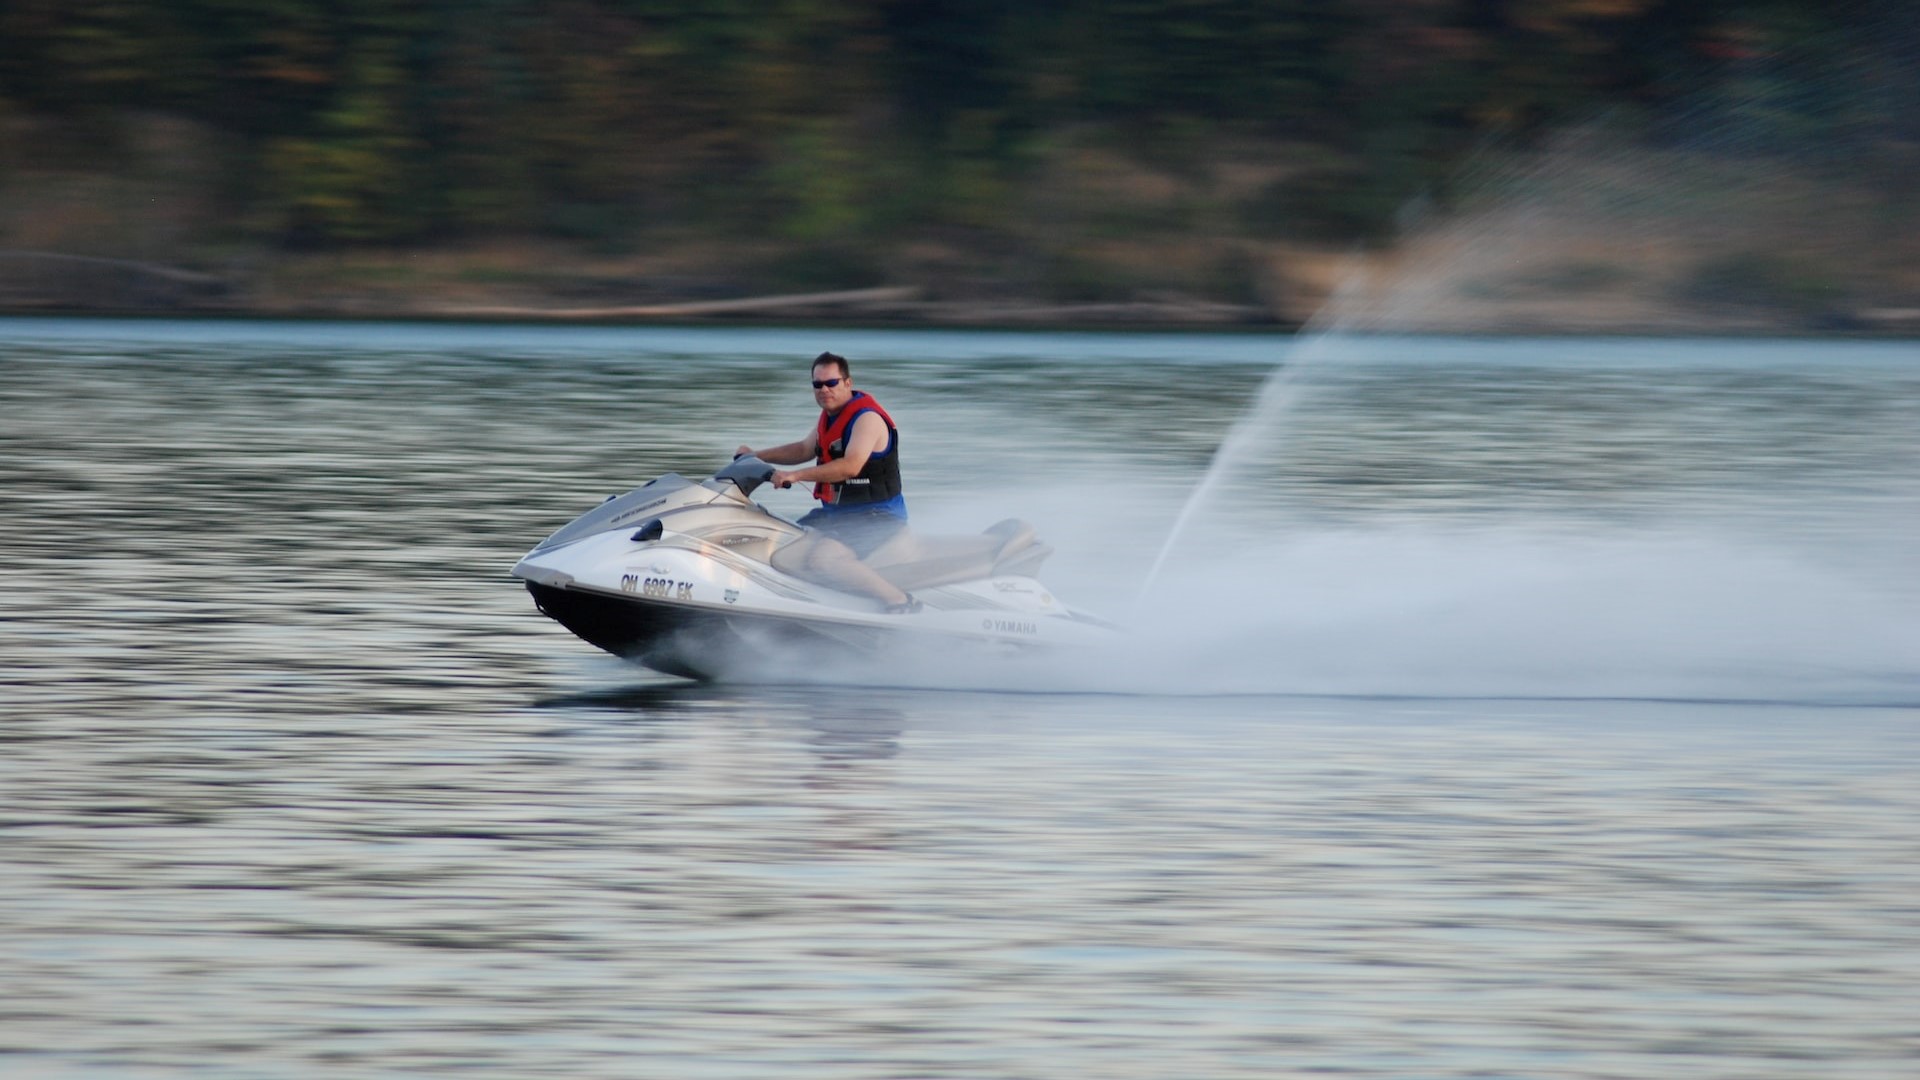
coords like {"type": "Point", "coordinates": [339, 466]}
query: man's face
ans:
{"type": "Point", "coordinates": [831, 398]}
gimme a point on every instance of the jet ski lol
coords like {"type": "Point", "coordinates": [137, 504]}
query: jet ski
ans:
{"type": "Point", "coordinates": [685, 577]}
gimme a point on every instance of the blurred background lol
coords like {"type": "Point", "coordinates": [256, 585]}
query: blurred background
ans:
{"type": "Point", "coordinates": [1573, 164]}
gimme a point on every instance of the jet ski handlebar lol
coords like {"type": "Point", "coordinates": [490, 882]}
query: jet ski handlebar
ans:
{"type": "Point", "coordinates": [747, 472]}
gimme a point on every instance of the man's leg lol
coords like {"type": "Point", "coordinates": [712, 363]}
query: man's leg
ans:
{"type": "Point", "coordinates": [819, 557]}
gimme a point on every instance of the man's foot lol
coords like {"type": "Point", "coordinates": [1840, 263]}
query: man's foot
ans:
{"type": "Point", "coordinates": [904, 607]}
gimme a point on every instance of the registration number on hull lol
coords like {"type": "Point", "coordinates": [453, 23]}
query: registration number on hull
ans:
{"type": "Point", "coordinates": [657, 588]}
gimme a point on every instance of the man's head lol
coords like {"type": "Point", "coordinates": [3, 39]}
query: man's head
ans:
{"type": "Point", "coordinates": [831, 369]}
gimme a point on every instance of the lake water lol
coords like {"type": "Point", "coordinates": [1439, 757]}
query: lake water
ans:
{"type": "Point", "coordinates": [1512, 708]}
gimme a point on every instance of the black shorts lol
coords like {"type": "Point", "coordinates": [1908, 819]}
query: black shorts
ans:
{"type": "Point", "coordinates": [862, 530]}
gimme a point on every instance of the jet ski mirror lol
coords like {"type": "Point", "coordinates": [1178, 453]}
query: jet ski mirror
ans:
{"type": "Point", "coordinates": [747, 473]}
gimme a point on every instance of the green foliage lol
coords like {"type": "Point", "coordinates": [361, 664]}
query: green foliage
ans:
{"type": "Point", "coordinates": [828, 125]}
{"type": "Point", "coordinates": [820, 267]}
{"type": "Point", "coordinates": [351, 180]}
{"type": "Point", "coordinates": [1330, 203]}
{"type": "Point", "coordinates": [818, 173]}
{"type": "Point", "coordinates": [1071, 278]}
{"type": "Point", "coordinates": [1760, 280]}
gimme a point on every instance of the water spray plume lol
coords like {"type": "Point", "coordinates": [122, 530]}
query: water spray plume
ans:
{"type": "Point", "coordinates": [1276, 396]}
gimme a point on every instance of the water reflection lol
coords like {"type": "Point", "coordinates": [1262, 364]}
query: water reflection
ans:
{"type": "Point", "coordinates": [854, 733]}
{"type": "Point", "coordinates": [835, 726]}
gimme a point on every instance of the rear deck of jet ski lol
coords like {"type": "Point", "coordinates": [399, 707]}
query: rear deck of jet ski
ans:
{"type": "Point", "coordinates": [911, 561]}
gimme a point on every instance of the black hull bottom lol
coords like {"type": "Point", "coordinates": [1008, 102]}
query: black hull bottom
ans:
{"type": "Point", "coordinates": [694, 643]}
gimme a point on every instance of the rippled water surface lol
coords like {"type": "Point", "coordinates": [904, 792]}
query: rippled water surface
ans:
{"type": "Point", "coordinates": [1515, 708]}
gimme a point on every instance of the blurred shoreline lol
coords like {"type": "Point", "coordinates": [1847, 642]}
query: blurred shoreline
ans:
{"type": "Point", "coordinates": [1377, 291]}
{"type": "Point", "coordinates": [1580, 169]}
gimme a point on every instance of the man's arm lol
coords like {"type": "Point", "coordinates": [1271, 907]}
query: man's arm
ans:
{"type": "Point", "coordinates": [869, 434]}
{"type": "Point", "coordinates": [792, 453]}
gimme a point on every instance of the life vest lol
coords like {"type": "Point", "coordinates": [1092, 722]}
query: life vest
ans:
{"type": "Point", "coordinates": [879, 479]}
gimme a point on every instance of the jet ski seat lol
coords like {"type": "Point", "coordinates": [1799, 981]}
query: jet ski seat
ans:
{"type": "Point", "coordinates": [911, 561]}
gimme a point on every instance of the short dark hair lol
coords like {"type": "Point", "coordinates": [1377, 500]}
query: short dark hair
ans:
{"type": "Point", "coordinates": [835, 360]}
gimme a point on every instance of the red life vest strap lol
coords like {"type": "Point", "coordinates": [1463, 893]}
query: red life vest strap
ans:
{"type": "Point", "coordinates": [830, 430]}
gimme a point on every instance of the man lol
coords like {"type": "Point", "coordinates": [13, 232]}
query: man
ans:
{"type": "Point", "coordinates": [856, 476]}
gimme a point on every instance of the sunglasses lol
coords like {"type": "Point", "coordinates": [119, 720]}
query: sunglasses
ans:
{"type": "Point", "coordinates": [822, 384]}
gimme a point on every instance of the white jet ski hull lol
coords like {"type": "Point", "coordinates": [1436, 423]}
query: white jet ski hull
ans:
{"type": "Point", "coordinates": [708, 603]}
